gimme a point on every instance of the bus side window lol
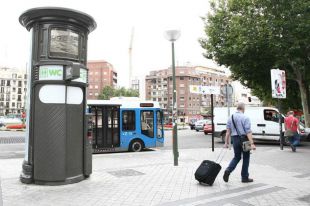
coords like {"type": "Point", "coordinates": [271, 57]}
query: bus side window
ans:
{"type": "Point", "coordinates": [129, 120]}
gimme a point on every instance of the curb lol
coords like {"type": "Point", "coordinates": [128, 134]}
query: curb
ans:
{"type": "Point", "coordinates": [13, 130]}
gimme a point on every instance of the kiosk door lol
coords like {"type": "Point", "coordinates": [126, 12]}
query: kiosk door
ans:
{"type": "Point", "coordinates": [59, 108]}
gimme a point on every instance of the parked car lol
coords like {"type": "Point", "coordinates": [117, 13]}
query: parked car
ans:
{"type": "Point", "coordinates": [207, 129]}
{"type": "Point", "coordinates": [304, 132]}
{"type": "Point", "coordinates": [201, 123]}
{"type": "Point", "coordinates": [168, 125]}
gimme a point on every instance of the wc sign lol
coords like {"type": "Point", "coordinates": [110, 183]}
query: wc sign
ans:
{"type": "Point", "coordinates": [51, 72]}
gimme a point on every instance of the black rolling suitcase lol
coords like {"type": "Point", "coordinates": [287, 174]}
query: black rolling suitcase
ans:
{"type": "Point", "coordinates": [208, 171]}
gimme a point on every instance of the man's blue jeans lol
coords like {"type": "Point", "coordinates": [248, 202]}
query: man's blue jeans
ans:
{"type": "Point", "coordinates": [234, 162]}
{"type": "Point", "coordinates": [294, 140]}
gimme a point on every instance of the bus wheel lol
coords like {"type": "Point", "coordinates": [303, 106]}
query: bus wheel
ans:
{"type": "Point", "coordinates": [136, 146]}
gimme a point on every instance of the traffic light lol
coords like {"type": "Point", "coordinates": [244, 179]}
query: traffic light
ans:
{"type": "Point", "coordinates": [249, 99]}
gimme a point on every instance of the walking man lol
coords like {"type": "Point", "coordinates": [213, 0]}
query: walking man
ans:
{"type": "Point", "coordinates": [237, 126]}
{"type": "Point", "coordinates": [291, 124]}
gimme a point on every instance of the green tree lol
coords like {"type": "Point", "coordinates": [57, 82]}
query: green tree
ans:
{"type": "Point", "coordinates": [253, 36]}
{"type": "Point", "coordinates": [108, 92]}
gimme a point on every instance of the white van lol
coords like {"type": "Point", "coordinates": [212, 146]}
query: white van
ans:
{"type": "Point", "coordinates": [264, 122]}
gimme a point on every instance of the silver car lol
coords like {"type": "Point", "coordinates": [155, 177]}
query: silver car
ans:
{"type": "Point", "coordinates": [201, 123]}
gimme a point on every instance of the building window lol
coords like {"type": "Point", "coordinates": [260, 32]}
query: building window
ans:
{"type": "Point", "coordinates": [14, 76]}
{"type": "Point", "coordinates": [96, 94]}
{"type": "Point", "coordinates": [181, 78]}
{"type": "Point", "coordinates": [19, 83]}
{"type": "Point", "coordinates": [90, 86]}
{"type": "Point", "coordinates": [90, 94]}
{"type": "Point", "coordinates": [181, 85]}
{"type": "Point", "coordinates": [13, 104]}
{"type": "Point", "coordinates": [129, 123]}
{"type": "Point", "coordinates": [96, 86]}
{"type": "Point", "coordinates": [154, 99]}
{"type": "Point", "coordinates": [19, 98]}
{"type": "Point", "coordinates": [181, 98]}
{"type": "Point", "coordinates": [19, 91]}
{"type": "Point", "coordinates": [8, 83]}
{"type": "Point", "coordinates": [14, 89]}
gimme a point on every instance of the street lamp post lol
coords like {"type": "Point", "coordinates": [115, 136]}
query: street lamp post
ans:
{"type": "Point", "coordinates": [172, 36]}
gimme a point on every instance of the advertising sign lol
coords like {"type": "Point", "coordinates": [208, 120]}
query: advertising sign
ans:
{"type": "Point", "coordinates": [64, 43]}
{"type": "Point", "coordinates": [198, 89]}
{"type": "Point", "coordinates": [278, 83]}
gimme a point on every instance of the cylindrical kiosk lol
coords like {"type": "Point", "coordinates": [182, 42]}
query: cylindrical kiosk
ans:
{"type": "Point", "coordinates": [58, 149]}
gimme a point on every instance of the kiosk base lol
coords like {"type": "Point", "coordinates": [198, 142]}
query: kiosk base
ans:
{"type": "Point", "coordinates": [27, 178]}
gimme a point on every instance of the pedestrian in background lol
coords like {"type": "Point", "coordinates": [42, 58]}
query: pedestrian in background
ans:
{"type": "Point", "coordinates": [238, 127]}
{"type": "Point", "coordinates": [291, 124]}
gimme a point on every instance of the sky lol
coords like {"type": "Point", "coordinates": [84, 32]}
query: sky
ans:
{"type": "Point", "coordinates": [110, 41]}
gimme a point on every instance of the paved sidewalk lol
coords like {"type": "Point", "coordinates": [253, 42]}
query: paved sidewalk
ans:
{"type": "Point", "coordinates": [149, 178]}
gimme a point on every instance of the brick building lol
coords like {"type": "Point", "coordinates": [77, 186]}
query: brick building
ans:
{"type": "Point", "coordinates": [101, 74]}
{"type": "Point", "coordinates": [13, 89]}
{"type": "Point", "coordinates": [158, 87]}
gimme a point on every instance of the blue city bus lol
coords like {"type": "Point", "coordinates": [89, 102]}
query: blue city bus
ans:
{"type": "Point", "coordinates": [125, 125]}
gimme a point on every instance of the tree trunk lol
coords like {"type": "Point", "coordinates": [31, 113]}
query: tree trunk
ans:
{"type": "Point", "coordinates": [303, 94]}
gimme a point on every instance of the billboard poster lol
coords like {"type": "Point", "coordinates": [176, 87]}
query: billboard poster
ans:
{"type": "Point", "coordinates": [278, 83]}
{"type": "Point", "coordinates": [64, 43]}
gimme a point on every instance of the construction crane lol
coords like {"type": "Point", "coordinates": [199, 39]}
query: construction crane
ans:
{"type": "Point", "coordinates": [130, 55]}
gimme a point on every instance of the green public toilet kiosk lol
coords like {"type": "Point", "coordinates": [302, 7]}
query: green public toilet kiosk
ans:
{"type": "Point", "coordinates": [58, 149]}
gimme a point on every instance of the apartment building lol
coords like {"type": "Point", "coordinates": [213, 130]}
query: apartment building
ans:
{"type": "Point", "coordinates": [101, 73]}
{"type": "Point", "coordinates": [158, 87]}
{"type": "Point", "coordinates": [13, 89]}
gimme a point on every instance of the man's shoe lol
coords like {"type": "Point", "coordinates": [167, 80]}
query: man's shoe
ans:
{"type": "Point", "coordinates": [293, 148]}
{"type": "Point", "coordinates": [247, 180]}
{"type": "Point", "coordinates": [226, 176]}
